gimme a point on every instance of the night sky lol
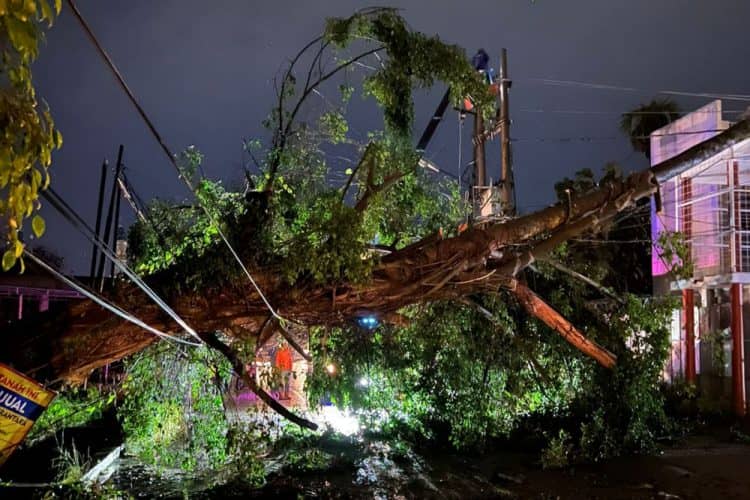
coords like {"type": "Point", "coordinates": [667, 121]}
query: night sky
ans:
{"type": "Point", "coordinates": [204, 72]}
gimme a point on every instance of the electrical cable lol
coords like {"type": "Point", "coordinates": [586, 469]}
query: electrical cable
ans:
{"type": "Point", "coordinates": [601, 86]}
{"type": "Point", "coordinates": [596, 112]}
{"type": "Point", "coordinates": [103, 302]}
{"type": "Point", "coordinates": [167, 151]}
{"type": "Point", "coordinates": [77, 221]}
{"type": "Point", "coordinates": [611, 137]}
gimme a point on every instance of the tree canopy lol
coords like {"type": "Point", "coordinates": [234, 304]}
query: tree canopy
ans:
{"type": "Point", "coordinates": [463, 345]}
{"type": "Point", "coordinates": [29, 135]}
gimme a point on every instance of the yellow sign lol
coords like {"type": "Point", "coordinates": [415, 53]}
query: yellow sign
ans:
{"type": "Point", "coordinates": [22, 400]}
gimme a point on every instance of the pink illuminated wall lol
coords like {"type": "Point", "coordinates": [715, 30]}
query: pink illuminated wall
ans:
{"type": "Point", "coordinates": [683, 134]}
{"type": "Point", "coordinates": [668, 142]}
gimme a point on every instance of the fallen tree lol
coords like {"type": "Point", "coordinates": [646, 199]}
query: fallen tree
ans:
{"type": "Point", "coordinates": [320, 271]}
{"type": "Point", "coordinates": [478, 260]}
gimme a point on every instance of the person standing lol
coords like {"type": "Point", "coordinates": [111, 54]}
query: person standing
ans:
{"type": "Point", "coordinates": [283, 363]}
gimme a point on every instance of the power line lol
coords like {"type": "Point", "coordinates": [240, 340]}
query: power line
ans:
{"type": "Point", "coordinates": [104, 302]}
{"type": "Point", "coordinates": [602, 86]}
{"type": "Point", "coordinates": [166, 150]}
{"type": "Point", "coordinates": [612, 137]}
{"type": "Point", "coordinates": [617, 242]}
{"type": "Point", "coordinates": [583, 138]}
{"type": "Point", "coordinates": [597, 112]}
{"type": "Point", "coordinates": [77, 221]}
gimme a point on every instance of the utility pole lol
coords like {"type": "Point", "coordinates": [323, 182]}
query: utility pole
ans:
{"type": "Point", "coordinates": [116, 226]}
{"type": "Point", "coordinates": [480, 169]}
{"type": "Point", "coordinates": [507, 185]}
{"type": "Point", "coordinates": [110, 214]}
{"type": "Point", "coordinates": [95, 249]}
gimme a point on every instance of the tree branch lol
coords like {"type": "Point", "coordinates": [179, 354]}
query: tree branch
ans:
{"type": "Point", "coordinates": [281, 142]}
{"type": "Point", "coordinates": [371, 191]}
{"type": "Point", "coordinates": [536, 307]}
{"type": "Point", "coordinates": [349, 181]}
{"type": "Point", "coordinates": [575, 274]}
{"type": "Point", "coordinates": [287, 74]}
{"type": "Point", "coordinates": [293, 342]}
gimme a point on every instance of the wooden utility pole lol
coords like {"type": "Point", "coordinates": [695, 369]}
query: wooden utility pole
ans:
{"type": "Point", "coordinates": [507, 185]}
{"type": "Point", "coordinates": [480, 169]}
{"type": "Point", "coordinates": [478, 198]}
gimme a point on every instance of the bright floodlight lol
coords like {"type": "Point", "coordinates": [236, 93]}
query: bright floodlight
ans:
{"type": "Point", "coordinates": [342, 422]}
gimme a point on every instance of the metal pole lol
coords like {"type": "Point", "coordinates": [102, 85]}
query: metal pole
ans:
{"type": "Point", "coordinates": [688, 304]}
{"type": "Point", "coordinates": [94, 250]}
{"type": "Point", "coordinates": [738, 361]}
{"type": "Point", "coordinates": [118, 197]}
{"type": "Point", "coordinates": [110, 214]}
{"type": "Point", "coordinates": [507, 185]}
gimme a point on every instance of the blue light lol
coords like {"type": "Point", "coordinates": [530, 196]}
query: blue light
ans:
{"type": "Point", "coordinates": [370, 322]}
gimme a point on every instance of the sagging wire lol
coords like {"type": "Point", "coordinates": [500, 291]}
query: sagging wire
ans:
{"type": "Point", "coordinates": [171, 157]}
{"type": "Point", "coordinates": [72, 216]}
{"type": "Point", "coordinates": [602, 86]}
{"type": "Point", "coordinates": [103, 302]}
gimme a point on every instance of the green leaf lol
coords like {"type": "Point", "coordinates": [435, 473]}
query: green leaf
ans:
{"type": "Point", "coordinates": [22, 36]}
{"type": "Point", "coordinates": [9, 259]}
{"type": "Point", "coordinates": [38, 225]}
{"type": "Point", "coordinates": [18, 248]}
{"type": "Point", "coordinates": [46, 11]}
{"type": "Point", "coordinates": [348, 171]}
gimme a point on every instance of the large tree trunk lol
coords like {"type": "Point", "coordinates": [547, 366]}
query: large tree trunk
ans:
{"type": "Point", "coordinates": [478, 260]}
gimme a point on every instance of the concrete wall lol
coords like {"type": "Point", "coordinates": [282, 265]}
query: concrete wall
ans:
{"type": "Point", "coordinates": [686, 132]}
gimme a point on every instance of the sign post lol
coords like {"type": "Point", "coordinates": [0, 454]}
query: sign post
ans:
{"type": "Point", "coordinates": [22, 400]}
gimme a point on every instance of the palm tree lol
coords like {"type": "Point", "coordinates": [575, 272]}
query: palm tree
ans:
{"type": "Point", "coordinates": [646, 118]}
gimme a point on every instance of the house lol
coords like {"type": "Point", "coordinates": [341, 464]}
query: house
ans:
{"type": "Point", "coordinates": [703, 167]}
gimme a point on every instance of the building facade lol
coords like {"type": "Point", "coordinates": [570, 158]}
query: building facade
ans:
{"type": "Point", "coordinates": [709, 203]}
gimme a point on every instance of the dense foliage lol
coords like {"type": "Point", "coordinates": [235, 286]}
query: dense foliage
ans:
{"type": "Point", "coordinates": [172, 411]}
{"type": "Point", "coordinates": [413, 60]}
{"type": "Point", "coordinates": [640, 122]}
{"type": "Point", "coordinates": [456, 374]}
{"type": "Point", "coordinates": [28, 133]}
{"type": "Point", "coordinates": [72, 408]}
{"type": "Point", "coordinates": [290, 217]}
{"type": "Point", "coordinates": [460, 374]}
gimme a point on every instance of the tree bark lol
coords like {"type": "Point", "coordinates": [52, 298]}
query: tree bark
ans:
{"type": "Point", "coordinates": [478, 260]}
{"type": "Point", "coordinates": [540, 309]}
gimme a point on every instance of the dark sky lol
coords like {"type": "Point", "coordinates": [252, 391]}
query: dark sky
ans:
{"type": "Point", "coordinates": [204, 70]}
